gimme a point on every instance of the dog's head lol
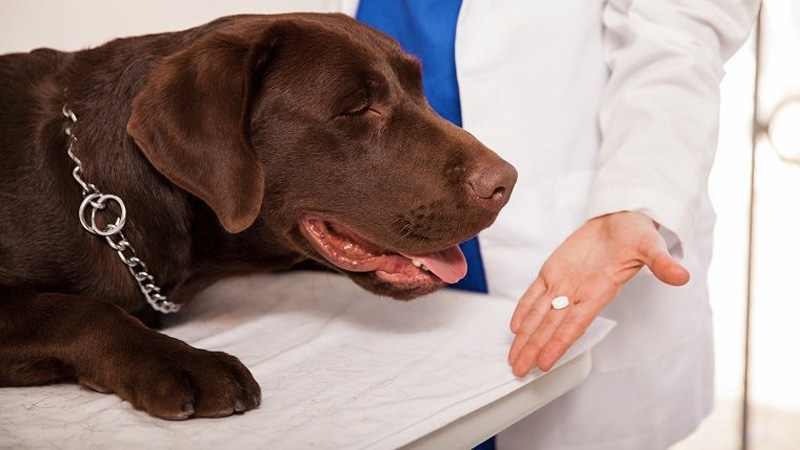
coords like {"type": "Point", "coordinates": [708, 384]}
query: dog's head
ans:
{"type": "Point", "coordinates": [318, 124]}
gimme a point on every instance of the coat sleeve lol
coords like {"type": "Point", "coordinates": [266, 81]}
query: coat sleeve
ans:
{"type": "Point", "coordinates": [659, 115]}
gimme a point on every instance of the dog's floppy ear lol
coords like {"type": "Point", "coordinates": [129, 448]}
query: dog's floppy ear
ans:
{"type": "Point", "coordinates": [192, 121]}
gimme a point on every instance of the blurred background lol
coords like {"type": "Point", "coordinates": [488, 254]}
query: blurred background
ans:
{"type": "Point", "coordinates": [765, 283]}
{"type": "Point", "coordinates": [773, 126]}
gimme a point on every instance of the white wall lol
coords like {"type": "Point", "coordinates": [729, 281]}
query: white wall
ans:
{"type": "Point", "coordinates": [75, 24]}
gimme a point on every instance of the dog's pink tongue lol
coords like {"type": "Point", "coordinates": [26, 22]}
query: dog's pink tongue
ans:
{"type": "Point", "coordinates": [449, 264]}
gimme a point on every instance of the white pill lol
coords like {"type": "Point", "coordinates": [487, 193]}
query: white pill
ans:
{"type": "Point", "coordinates": [560, 302]}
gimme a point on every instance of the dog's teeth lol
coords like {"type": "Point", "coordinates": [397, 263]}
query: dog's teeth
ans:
{"type": "Point", "coordinates": [418, 263]}
{"type": "Point", "coordinates": [348, 246]}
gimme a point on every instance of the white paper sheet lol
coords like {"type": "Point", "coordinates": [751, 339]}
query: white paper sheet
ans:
{"type": "Point", "coordinates": [339, 368]}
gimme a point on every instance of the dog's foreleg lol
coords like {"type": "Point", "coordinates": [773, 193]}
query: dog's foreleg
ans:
{"type": "Point", "coordinates": [47, 337]}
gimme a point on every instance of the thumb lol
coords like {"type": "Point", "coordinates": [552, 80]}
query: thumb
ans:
{"type": "Point", "coordinates": [665, 268]}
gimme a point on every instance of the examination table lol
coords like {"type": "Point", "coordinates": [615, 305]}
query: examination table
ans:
{"type": "Point", "coordinates": [339, 368]}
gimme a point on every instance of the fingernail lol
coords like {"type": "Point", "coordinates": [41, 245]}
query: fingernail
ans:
{"type": "Point", "coordinates": [238, 405]}
{"type": "Point", "coordinates": [188, 408]}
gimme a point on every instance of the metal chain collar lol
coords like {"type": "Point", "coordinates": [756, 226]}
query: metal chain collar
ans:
{"type": "Point", "coordinates": [112, 232]}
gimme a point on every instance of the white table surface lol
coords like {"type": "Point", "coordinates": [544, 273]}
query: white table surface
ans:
{"type": "Point", "coordinates": [339, 368]}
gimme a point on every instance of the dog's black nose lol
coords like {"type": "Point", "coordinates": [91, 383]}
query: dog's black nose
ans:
{"type": "Point", "coordinates": [491, 185]}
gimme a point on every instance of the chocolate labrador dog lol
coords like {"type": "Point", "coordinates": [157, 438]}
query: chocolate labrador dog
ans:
{"type": "Point", "coordinates": [251, 143]}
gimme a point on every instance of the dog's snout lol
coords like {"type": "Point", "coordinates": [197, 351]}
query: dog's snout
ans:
{"type": "Point", "coordinates": [491, 185]}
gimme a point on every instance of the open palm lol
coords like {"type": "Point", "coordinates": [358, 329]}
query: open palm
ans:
{"type": "Point", "coordinates": [589, 267]}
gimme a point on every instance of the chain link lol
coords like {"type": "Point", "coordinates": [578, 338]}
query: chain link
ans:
{"type": "Point", "coordinates": [112, 232]}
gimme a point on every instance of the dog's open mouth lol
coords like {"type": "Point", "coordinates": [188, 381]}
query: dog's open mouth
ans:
{"type": "Point", "coordinates": [350, 252]}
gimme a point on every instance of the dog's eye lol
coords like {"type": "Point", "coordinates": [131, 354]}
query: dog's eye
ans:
{"type": "Point", "coordinates": [357, 104]}
{"type": "Point", "coordinates": [358, 111]}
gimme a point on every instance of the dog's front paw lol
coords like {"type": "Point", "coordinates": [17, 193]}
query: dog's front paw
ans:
{"type": "Point", "coordinates": [175, 381]}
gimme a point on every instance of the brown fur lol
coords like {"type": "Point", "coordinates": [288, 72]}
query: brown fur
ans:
{"type": "Point", "coordinates": [217, 138]}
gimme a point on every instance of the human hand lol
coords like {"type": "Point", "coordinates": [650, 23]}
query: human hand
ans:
{"type": "Point", "coordinates": [589, 268]}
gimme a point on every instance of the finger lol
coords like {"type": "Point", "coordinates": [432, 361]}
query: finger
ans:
{"type": "Point", "coordinates": [573, 327]}
{"type": "Point", "coordinates": [529, 353]}
{"type": "Point", "coordinates": [534, 292]}
{"type": "Point", "coordinates": [660, 262]}
{"type": "Point", "coordinates": [530, 324]}
{"type": "Point", "coordinates": [665, 268]}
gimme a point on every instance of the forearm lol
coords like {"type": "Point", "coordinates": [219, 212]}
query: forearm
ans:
{"type": "Point", "coordinates": [660, 110]}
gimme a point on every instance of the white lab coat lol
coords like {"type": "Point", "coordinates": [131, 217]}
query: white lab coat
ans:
{"type": "Point", "coordinates": [606, 106]}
